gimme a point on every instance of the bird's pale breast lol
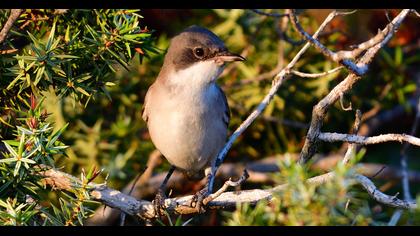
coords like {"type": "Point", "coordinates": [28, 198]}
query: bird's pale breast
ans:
{"type": "Point", "coordinates": [188, 129]}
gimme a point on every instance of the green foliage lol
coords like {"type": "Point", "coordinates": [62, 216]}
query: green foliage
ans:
{"type": "Point", "coordinates": [71, 54]}
{"type": "Point", "coordinates": [89, 70]}
{"type": "Point", "coordinates": [68, 55]}
{"type": "Point", "coordinates": [301, 203]}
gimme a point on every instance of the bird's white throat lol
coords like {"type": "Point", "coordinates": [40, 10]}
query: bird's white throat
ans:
{"type": "Point", "coordinates": [198, 76]}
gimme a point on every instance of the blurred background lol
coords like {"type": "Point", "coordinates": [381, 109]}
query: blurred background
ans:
{"type": "Point", "coordinates": [110, 133]}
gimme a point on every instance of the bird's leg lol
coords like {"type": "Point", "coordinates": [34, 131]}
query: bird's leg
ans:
{"type": "Point", "coordinates": [198, 198]}
{"type": "Point", "coordinates": [159, 201]}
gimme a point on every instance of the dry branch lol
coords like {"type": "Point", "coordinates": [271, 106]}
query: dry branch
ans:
{"type": "Point", "coordinates": [14, 15]}
{"type": "Point", "coordinates": [319, 111]}
{"type": "Point", "coordinates": [316, 75]}
{"type": "Point", "coordinates": [180, 205]}
{"type": "Point", "coordinates": [277, 82]}
{"type": "Point", "coordinates": [260, 173]}
{"type": "Point", "coordinates": [352, 138]}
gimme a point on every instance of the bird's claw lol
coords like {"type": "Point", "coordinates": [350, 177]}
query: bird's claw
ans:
{"type": "Point", "coordinates": [197, 200]}
{"type": "Point", "coordinates": [159, 203]}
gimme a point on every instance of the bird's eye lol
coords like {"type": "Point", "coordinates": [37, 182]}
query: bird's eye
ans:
{"type": "Point", "coordinates": [199, 52]}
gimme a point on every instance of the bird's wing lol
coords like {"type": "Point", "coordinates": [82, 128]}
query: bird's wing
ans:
{"type": "Point", "coordinates": [145, 110]}
{"type": "Point", "coordinates": [226, 110]}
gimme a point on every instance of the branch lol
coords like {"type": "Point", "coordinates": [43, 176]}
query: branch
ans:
{"type": "Point", "coordinates": [14, 15]}
{"type": "Point", "coordinates": [351, 150]}
{"type": "Point", "coordinates": [359, 70]}
{"type": "Point", "coordinates": [180, 205]}
{"type": "Point", "coordinates": [352, 138]}
{"type": "Point", "coordinates": [260, 172]}
{"type": "Point", "coordinates": [319, 111]}
{"type": "Point", "coordinates": [404, 166]}
{"type": "Point", "coordinates": [392, 201]}
{"type": "Point", "coordinates": [277, 82]}
{"type": "Point", "coordinates": [316, 75]}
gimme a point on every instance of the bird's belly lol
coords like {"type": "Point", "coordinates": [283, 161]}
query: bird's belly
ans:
{"type": "Point", "coordinates": [188, 139]}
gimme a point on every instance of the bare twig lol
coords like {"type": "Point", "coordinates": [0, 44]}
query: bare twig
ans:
{"type": "Point", "coordinates": [358, 70]}
{"type": "Point", "coordinates": [351, 138]}
{"type": "Point", "coordinates": [277, 82]}
{"type": "Point", "coordinates": [349, 108]}
{"type": "Point", "coordinates": [227, 184]}
{"type": "Point", "coordinates": [404, 166]}
{"type": "Point", "coordinates": [180, 205]}
{"type": "Point", "coordinates": [260, 173]}
{"type": "Point", "coordinates": [319, 110]}
{"type": "Point", "coordinates": [316, 75]}
{"type": "Point", "coordinates": [369, 186]}
{"type": "Point", "coordinates": [14, 15]}
{"type": "Point", "coordinates": [351, 150]}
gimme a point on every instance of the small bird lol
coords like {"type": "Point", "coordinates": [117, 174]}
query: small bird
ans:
{"type": "Point", "coordinates": [186, 112]}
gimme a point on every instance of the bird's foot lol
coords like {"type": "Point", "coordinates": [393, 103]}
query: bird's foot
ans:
{"type": "Point", "coordinates": [198, 198]}
{"type": "Point", "coordinates": [159, 203]}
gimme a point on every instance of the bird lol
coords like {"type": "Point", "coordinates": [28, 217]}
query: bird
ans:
{"type": "Point", "coordinates": [186, 112]}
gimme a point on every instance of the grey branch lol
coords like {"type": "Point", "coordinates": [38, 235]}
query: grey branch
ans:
{"type": "Point", "coordinates": [351, 150]}
{"type": "Point", "coordinates": [144, 209]}
{"type": "Point", "coordinates": [343, 57]}
{"type": "Point", "coordinates": [220, 200]}
{"type": "Point", "coordinates": [260, 173]}
{"type": "Point", "coordinates": [319, 111]}
{"type": "Point", "coordinates": [14, 15]}
{"type": "Point", "coordinates": [277, 82]}
{"type": "Point", "coordinates": [352, 138]}
{"type": "Point", "coordinates": [392, 201]}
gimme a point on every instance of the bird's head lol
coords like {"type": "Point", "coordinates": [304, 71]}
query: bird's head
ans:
{"type": "Point", "coordinates": [198, 51]}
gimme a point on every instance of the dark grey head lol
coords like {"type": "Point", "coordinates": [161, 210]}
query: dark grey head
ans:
{"type": "Point", "coordinates": [196, 44]}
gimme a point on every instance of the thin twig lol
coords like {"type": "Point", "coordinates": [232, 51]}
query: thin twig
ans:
{"type": "Point", "coordinates": [276, 83]}
{"type": "Point", "coordinates": [14, 15]}
{"type": "Point", "coordinates": [319, 111]}
{"type": "Point", "coordinates": [359, 70]}
{"type": "Point", "coordinates": [316, 75]}
{"type": "Point", "coordinates": [226, 185]}
{"type": "Point", "coordinates": [351, 150]}
{"type": "Point", "coordinates": [393, 201]}
{"type": "Point", "coordinates": [404, 166]}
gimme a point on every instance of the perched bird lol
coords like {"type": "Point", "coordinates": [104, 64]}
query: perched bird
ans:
{"type": "Point", "coordinates": [186, 112]}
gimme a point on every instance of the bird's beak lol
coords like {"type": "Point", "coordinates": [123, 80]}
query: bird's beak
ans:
{"type": "Point", "coordinates": [226, 56]}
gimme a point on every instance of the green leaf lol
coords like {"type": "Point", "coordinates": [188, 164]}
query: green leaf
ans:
{"type": "Point", "coordinates": [17, 167]}
{"type": "Point", "coordinates": [8, 160]}
{"type": "Point", "coordinates": [398, 56]}
{"type": "Point", "coordinates": [50, 37]}
{"type": "Point", "coordinates": [57, 134]}
{"type": "Point", "coordinates": [10, 149]}
{"type": "Point", "coordinates": [25, 160]}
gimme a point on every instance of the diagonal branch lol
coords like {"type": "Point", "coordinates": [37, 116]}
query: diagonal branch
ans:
{"type": "Point", "coordinates": [14, 15]}
{"type": "Point", "coordinates": [277, 82]}
{"type": "Point", "coordinates": [319, 111]}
